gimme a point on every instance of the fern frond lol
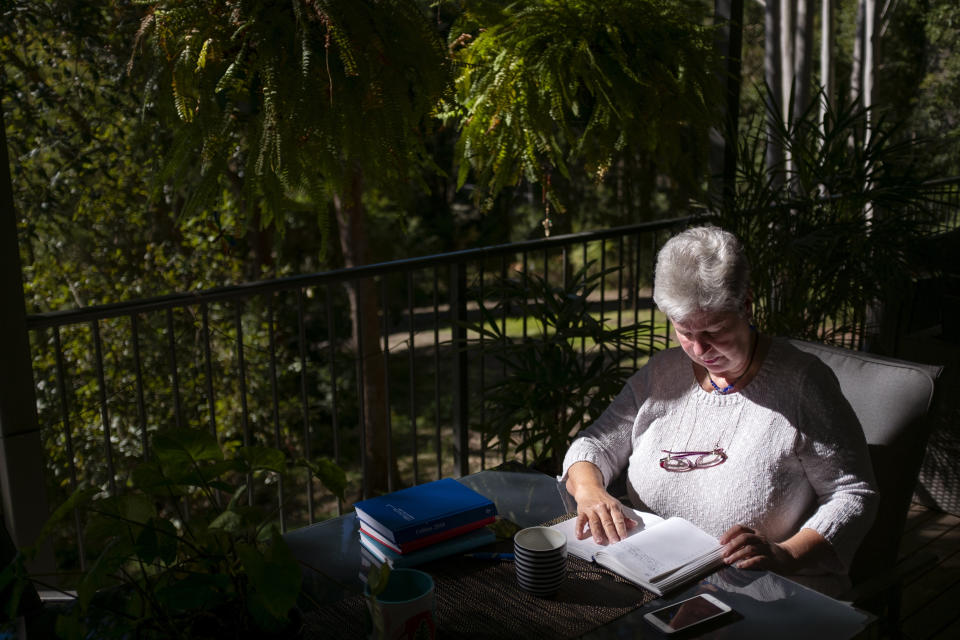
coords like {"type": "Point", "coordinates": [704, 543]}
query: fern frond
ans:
{"type": "Point", "coordinates": [300, 94]}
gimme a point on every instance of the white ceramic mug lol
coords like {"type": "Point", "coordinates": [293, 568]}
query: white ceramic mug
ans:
{"type": "Point", "coordinates": [406, 608]}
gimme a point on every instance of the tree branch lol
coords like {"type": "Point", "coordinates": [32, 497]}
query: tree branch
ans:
{"type": "Point", "coordinates": [33, 75]}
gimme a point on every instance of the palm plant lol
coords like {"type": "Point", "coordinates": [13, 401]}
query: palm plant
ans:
{"type": "Point", "coordinates": [834, 231]}
{"type": "Point", "coordinates": [560, 376]}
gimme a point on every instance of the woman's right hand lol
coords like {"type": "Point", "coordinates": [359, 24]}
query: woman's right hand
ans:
{"type": "Point", "coordinates": [596, 507]}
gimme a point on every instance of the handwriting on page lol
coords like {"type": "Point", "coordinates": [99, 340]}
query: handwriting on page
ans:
{"type": "Point", "coordinates": [665, 547]}
{"type": "Point", "coordinates": [639, 561]}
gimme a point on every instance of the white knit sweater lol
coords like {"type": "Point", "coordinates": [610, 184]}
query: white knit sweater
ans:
{"type": "Point", "coordinates": [797, 454]}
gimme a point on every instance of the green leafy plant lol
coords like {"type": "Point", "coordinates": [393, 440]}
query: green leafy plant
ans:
{"type": "Point", "coordinates": [560, 376]}
{"type": "Point", "coordinates": [161, 572]}
{"type": "Point", "coordinates": [560, 86]}
{"type": "Point", "coordinates": [838, 229]}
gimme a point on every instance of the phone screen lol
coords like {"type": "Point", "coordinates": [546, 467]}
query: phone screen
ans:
{"type": "Point", "coordinates": [683, 614]}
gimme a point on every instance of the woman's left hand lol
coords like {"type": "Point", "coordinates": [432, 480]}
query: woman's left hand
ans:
{"type": "Point", "coordinates": [747, 549]}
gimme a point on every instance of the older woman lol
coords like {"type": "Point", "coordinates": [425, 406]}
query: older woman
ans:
{"type": "Point", "coordinates": [738, 432]}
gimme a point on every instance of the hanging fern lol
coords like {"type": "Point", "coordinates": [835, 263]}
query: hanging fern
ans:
{"type": "Point", "coordinates": [300, 93]}
{"type": "Point", "coordinates": [550, 86]}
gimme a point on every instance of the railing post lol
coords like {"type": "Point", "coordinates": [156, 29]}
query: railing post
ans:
{"type": "Point", "coordinates": [21, 450]}
{"type": "Point", "coordinates": [458, 342]}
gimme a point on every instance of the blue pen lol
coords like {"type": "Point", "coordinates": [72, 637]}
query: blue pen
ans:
{"type": "Point", "coordinates": [489, 555]}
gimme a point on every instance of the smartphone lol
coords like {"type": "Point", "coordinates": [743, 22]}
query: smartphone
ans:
{"type": "Point", "coordinates": [686, 613]}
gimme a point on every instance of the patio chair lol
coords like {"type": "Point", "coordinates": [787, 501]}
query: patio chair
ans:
{"type": "Point", "coordinates": [892, 399]}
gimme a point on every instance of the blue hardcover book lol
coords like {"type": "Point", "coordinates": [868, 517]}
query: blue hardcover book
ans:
{"type": "Point", "coordinates": [424, 510]}
{"type": "Point", "coordinates": [460, 544]}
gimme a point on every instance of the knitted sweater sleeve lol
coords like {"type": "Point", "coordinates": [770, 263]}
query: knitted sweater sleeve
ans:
{"type": "Point", "coordinates": [833, 451]}
{"type": "Point", "coordinates": [607, 442]}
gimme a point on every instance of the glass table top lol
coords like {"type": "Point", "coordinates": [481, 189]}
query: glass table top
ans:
{"type": "Point", "coordinates": [765, 604]}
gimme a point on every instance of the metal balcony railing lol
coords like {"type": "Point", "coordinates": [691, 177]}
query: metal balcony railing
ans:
{"type": "Point", "coordinates": [943, 200]}
{"type": "Point", "coordinates": [272, 363]}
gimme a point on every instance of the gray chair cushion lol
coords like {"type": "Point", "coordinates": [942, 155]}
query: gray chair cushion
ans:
{"type": "Point", "coordinates": [892, 400]}
{"type": "Point", "coordinates": [887, 395]}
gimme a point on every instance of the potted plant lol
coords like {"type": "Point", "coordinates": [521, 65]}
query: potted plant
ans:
{"type": "Point", "coordinates": [164, 573]}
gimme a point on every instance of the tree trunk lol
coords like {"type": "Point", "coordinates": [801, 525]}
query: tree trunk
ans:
{"type": "Point", "coordinates": [869, 60]}
{"type": "Point", "coordinates": [787, 18]}
{"type": "Point", "coordinates": [364, 317]}
{"type": "Point", "coordinates": [788, 12]}
{"type": "Point", "coordinates": [773, 74]}
{"type": "Point", "coordinates": [803, 48]}
{"type": "Point", "coordinates": [869, 66]}
{"type": "Point", "coordinates": [827, 79]}
{"type": "Point", "coordinates": [875, 311]}
{"type": "Point", "coordinates": [260, 239]}
{"type": "Point", "coordinates": [856, 65]}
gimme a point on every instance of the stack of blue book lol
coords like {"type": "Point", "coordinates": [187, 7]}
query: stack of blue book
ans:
{"type": "Point", "coordinates": [425, 522]}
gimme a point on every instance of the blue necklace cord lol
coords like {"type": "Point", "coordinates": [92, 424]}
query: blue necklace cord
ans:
{"type": "Point", "coordinates": [727, 389]}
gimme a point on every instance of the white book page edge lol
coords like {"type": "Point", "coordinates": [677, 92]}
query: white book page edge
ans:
{"type": "Point", "coordinates": [667, 547]}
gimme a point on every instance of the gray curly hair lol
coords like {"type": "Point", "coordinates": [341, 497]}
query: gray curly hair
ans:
{"type": "Point", "coordinates": [701, 269]}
